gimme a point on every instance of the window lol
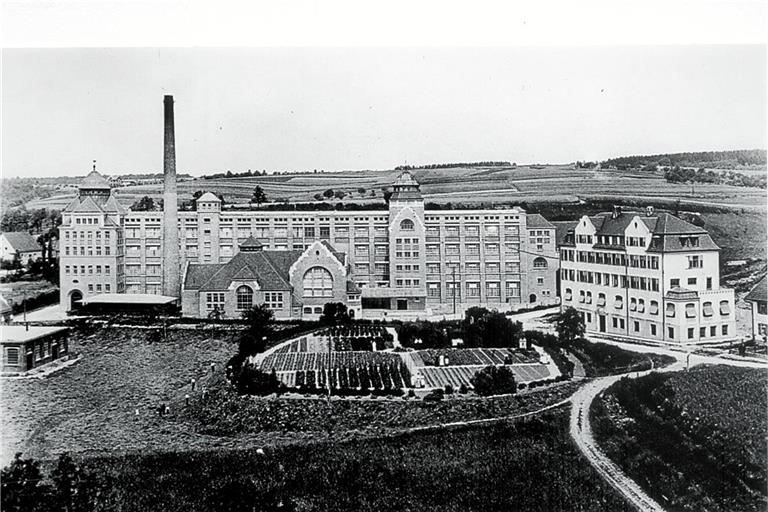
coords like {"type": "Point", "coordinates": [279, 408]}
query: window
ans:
{"type": "Point", "coordinates": [636, 326]}
{"type": "Point", "coordinates": [654, 309]}
{"type": "Point", "coordinates": [473, 290]}
{"type": "Point", "coordinates": [713, 331]}
{"type": "Point", "coordinates": [433, 290]}
{"type": "Point", "coordinates": [513, 289]}
{"type": "Point", "coordinates": [762, 308]}
{"type": "Point", "coordinates": [244, 297]}
{"type": "Point", "coordinates": [318, 283]}
{"type": "Point", "coordinates": [653, 329]}
{"type": "Point", "coordinates": [601, 299]}
{"type": "Point", "coordinates": [568, 294]}
{"type": "Point", "coordinates": [702, 332]}
{"type": "Point", "coordinates": [674, 283]}
{"type": "Point", "coordinates": [492, 289]}
{"type": "Point", "coordinates": [690, 333]}
{"type": "Point", "coordinates": [619, 302]}
{"type": "Point", "coordinates": [670, 310]}
{"type": "Point", "coordinates": [725, 308]}
{"type": "Point", "coordinates": [406, 225]}
{"type": "Point", "coordinates": [709, 283]}
{"type": "Point", "coordinates": [671, 333]}
{"type": "Point", "coordinates": [707, 309]}
{"type": "Point", "coordinates": [692, 281]}
{"type": "Point", "coordinates": [725, 330]}
{"type": "Point", "coordinates": [12, 356]}
{"type": "Point", "coordinates": [589, 297]}
{"type": "Point", "coordinates": [632, 304]}
{"type": "Point", "coordinates": [273, 300]}
{"type": "Point", "coordinates": [690, 311]}
{"type": "Point", "coordinates": [539, 263]}
{"type": "Point", "coordinates": [582, 296]}
{"type": "Point", "coordinates": [695, 262]}
{"type": "Point", "coordinates": [214, 300]}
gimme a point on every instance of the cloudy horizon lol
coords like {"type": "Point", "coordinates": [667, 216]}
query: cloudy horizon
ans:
{"type": "Point", "coordinates": [294, 109]}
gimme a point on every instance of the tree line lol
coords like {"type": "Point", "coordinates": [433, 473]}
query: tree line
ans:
{"type": "Point", "coordinates": [719, 159]}
{"type": "Point", "coordinates": [454, 165]}
{"type": "Point", "coordinates": [736, 179]}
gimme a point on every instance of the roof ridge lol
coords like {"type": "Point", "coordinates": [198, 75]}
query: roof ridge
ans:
{"type": "Point", "coordinates": [272, 266]}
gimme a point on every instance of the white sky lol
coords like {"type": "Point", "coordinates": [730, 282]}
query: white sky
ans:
{"type": "Point", "coordinates": [372, 108]}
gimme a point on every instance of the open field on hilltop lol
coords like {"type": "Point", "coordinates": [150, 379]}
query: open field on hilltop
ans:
{"type": "Point", "coordinates": [468, 184]}
{"type": "Point", "coordinates": [693, 440]}
{"type": "Point", "coordinates": [526, 466]}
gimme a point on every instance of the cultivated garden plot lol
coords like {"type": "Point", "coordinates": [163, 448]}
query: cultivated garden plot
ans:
{"type": "Point", "coordinates": [456, 376]}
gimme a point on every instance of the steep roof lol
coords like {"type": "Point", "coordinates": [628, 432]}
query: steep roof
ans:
{"type": "Point", "coordinates": [21, 241]}
{"type": "Point", "coordinates": [94, 180]}
{"type": "Point", "coordinates": [562, 227]}
{"type": "Point", "coordinates": [405, 180]}
{"type": "Point", "coordinates": [268, 268]}
{"type": "Point", "coordinates": [759, 292]}
{"type": "Point", "coordinates": [251, 243]}
{"type": "Point", "coordinates": [209, 197]}
{"type": "Point", "coordinates": [536, 221]}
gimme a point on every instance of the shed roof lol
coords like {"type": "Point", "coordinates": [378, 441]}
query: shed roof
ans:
{"type": "Point", "coordinates": [129, 298]}
{"type": "Point", "coordinates": [20, 333]}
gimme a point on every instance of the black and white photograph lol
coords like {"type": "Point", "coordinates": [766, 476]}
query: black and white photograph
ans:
{"type": "Point", "coordinates": [346, 257]}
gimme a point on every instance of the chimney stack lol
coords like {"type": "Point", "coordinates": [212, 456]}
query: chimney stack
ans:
{"type": "Point", "coordinates": [171, 268]}
{"type": "Point", "coordinates": [616, 212]}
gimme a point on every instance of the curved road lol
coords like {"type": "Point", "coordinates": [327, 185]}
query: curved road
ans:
{"type": "Point", "coordinates": [581, 430]}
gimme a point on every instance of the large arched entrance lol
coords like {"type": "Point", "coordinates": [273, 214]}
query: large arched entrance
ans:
{"type": "Point", "coordinates": [75, 300]}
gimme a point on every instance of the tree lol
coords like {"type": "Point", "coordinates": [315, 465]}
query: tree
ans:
{"type": "Point", "coordinates": [570, 326]}
{"type": "Point", "coordinates": [484, 328]}
{"type": "Point", "coordinates": [387, 195]}
{"type": "Point", "coordinates": [145, 204]}
{"type": "Point", "coordinates": [335, 313]}
{"type": "Point", "coordinates": [75, 489]}
{"type": "Point", "coordinates": [318, 197]}
{"type": "Point", "coordinates": [253, 381]}
{"type": "Point", "coordinates": [340, 194]}
{"type": "Point", "coordinates": [21, 487]}
{"type": "Point", "coordinates": [259, 196]}
{"type": "Point", "coordinates": [328, 193]}
{"type": "Point", "coordinates": [494, 380]}
{"type": "Point", "coordinates": [361, 191]}
{"type": "Point", "coordinates": [259, 326]}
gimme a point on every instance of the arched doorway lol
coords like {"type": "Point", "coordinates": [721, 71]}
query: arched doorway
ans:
{"type": "Point", "coordinates": [75, 300]}
{"type": "Point", "coordinates": [532, 298]}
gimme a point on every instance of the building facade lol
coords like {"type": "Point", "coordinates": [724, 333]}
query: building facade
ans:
{"type": "Point", "coordinates": [25, 348]}
{"type": "Point", "coordinates": [402, 261]}
{"type": "Point", "coordinates": [21, 245]}
{"type": "Point", "coordinates": [757, 298]}
{"type": "Point", "coordinates": [646, 276]}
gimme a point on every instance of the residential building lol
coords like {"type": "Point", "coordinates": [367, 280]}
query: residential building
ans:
{"type": "Point", "coordinates": [19, 244]}
{"type": "Point", "coordinates": [648, 276]}
{"type": "Point", "coordinates": [758, 301]}
{"type": "Point", "coordinates": [24, 348]}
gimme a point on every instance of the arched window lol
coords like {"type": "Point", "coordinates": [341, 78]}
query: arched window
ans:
{"type": "Point", "coordinates": [539, 263]}
{"type": "Point", "coordinates": [244, 297]}
{"type": "Point", "coordinates": [406, 225]}
{"type": "Point", "coordinates": [318, 283]}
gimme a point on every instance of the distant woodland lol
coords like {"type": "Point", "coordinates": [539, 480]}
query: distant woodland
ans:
{"type": "Point", "coordinates": [711, 159]}
{"type": "Point", "coordinates": [454, 165]}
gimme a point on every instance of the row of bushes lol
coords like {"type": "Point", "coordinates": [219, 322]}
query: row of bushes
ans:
{"type": "Point", "coordinates": [39, 301]}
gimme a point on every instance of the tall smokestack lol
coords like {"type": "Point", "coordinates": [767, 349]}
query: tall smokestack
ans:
{"type": "Point", "coordinates": [171, 269]}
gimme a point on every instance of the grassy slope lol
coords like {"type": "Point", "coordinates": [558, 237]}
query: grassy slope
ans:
{"type": "Point", "coordinates": [694, 440]}
{"type": "Point", "coordinates": [531, 466]}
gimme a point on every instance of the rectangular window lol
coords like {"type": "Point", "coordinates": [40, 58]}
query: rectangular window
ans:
{"type": "Point", "coordinates": [674, 283]}
{"type": "Point", "coordinates": [653, 329]}
{"type": "Point", "coordinates": [473, 290]}
{"type": "Point", "coordinates": [12, 356]}
{"type": "Point", "coordinates": [433, 290]}
{"type": "Point", "coordinates": [214, 300]}
{"type": "Point", "coordinates": [492, 289]}
{"type": "Point", "coordinates": [691, 281]}
{"type": "Point", "coordinates": [636, 326]}
{"type": "Point", "coordinates": [671, 333]}
{"type": "Point", "coordinates": [725, 330]}
{"type": "Point", "coordinates": [690, 333]}
{"type": "Point", "coordinates": [513, 289]}
{"type": "Point", "coordinates": [273, 300]}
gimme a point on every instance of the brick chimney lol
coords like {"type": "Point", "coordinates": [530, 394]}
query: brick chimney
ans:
{"type": "Point", "coordinates": [171, 268]}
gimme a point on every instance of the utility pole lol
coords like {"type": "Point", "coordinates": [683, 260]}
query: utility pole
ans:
{"type": "Point", "coordinates": [24, 305]}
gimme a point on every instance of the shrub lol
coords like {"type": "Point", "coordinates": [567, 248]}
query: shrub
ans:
{"type": "Point", "coordinates": [448, 389]}
{"type": "Point", "coordinates": [463, 389]}
{"type": "Point", "coordinates": [494, 380]}
{"type": "Point", "coordinates": [434, 396]}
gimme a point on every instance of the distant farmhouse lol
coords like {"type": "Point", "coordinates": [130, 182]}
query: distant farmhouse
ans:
{"type": "Point", "coordinates": [21, 244]}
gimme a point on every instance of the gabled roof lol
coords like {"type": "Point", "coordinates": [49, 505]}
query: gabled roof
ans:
{"type": "Point", "coordinates": [21, 241]}
{"type": "Point", "coordinates": [759, 292]}
{"type": "Point", "coordinates": [562, 227]}
{"type": "Point", "coordinates": [251, 243]}
{"type": "Point", "coordinates": [405, 180]}
{"type": "Point", "coordinates": [338, 255]}
{"type": "Point", "coordinates": [670, 225]}
{"type": "Point", "coordinates": [209, 198]}
{"type": "Point", "coordinates": [113, 206]}
{"type": "Point", "coordinates": [87, 205]}
{"type": "Point", "coordinates": [536, 221]}
{"type": "Point", "coordinates": [268, 268]}
{"type": "Point", "coordinates": [94, 180]}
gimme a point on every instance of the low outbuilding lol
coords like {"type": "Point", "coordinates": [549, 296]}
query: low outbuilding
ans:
{"type": "Point", "coordinates": [25, 348]}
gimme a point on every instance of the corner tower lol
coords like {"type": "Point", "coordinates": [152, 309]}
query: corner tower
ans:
{"type": "Point", "coordinates": [171, 267]}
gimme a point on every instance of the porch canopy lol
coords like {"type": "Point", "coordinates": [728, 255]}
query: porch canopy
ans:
{"type": "Point", "coordinates": [129, 303]}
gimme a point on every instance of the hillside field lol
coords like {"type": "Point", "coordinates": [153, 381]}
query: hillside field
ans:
{"type": "Point", "coordinates": [693, 440]}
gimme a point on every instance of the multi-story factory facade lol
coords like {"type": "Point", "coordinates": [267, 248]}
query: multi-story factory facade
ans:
{"type": "Point", "coordinates": [403, 261]}
{"type": "Point", "coordinates": [646, 276]}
